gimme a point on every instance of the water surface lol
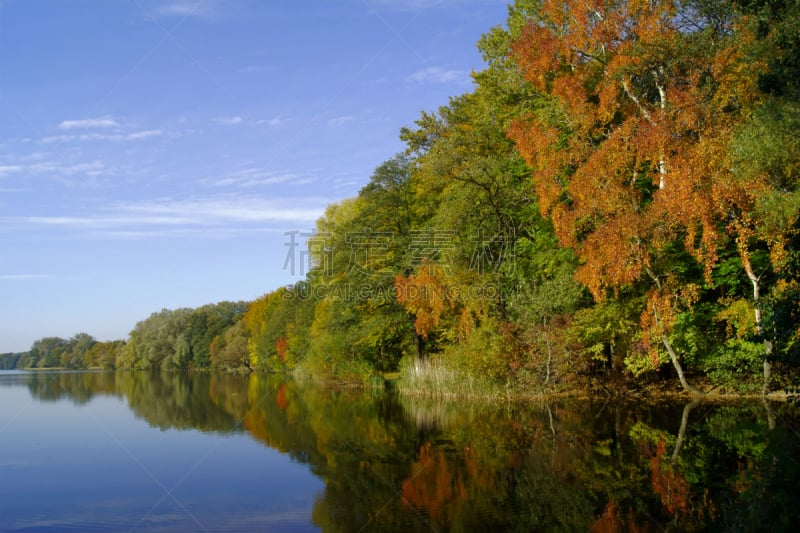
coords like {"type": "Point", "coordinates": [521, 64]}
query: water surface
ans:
{"type": "Point", "coordinates": [92, 451]}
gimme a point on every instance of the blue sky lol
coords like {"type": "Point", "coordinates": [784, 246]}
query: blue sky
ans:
{"type": "Point", "coordinates": [154, 153]}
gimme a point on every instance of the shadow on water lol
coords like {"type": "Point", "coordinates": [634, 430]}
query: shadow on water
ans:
{"type": "Point", "coordinates": [390, 463]}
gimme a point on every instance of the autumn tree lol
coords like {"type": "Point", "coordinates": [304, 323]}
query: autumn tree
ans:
{"type": "Point", "coordinates": [759, 194]}
{"type": "Point", "coordinates": [228, 350]}
{"type": "Point", "coordinates": [642, 96]}
{"type": "Point", "coordinates": [103, 354]}
{"type": "Point", "coordinates": [265, 322]}
{"type": "Point", "coordinates": [481, 253]}
{"type": "Point", "coordinates": [360, 244]}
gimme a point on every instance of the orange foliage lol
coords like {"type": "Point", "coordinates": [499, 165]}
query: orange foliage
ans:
{"type": "Point", "coordinates": [630, 153]}
{"type": "Point", "coordinates": [661, 310]}
{"type": "Point", "coordinates": [612, 521]}
{"type": "Point", "coordinates": [634, 159]}
{"type": "Point", "coordinates": [280, 398]}
{"type": "Point", "coordinates": [432, 486]}
{"type": "Point", "coordinates": [281, 344]}
{"type": "Point", "coordinates": [426, 295]}
{"type": "Point", "coordinates": [668, 483]}
{"type": "Point", "coordinates": [438, 483]}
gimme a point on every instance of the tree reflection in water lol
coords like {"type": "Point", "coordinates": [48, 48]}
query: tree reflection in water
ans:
{"type": "Point", "coordinates": [391, 463]}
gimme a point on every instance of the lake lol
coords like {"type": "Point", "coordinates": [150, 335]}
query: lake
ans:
{"type": "Point", "coordinates": [128, 451]}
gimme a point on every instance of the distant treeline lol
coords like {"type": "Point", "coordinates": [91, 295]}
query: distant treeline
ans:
{"type": "Point", "coordinates": [9, 361]}
{"type": "Point", "coordinates": [615, 201]}
{"type": "Point", "coordinates": [81, 351]}
{"type": "Point", "coordinates": [169, 340]}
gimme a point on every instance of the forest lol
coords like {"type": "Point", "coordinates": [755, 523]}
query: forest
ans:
{"type": "Point", "coordinates": [614, 205]}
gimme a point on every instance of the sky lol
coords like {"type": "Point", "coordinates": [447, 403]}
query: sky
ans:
{"type": "Point", "coordinates": [161, 153]}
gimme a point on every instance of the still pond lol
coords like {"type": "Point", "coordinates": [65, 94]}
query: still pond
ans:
{"type": "Point", "coordinates": [95, 451]}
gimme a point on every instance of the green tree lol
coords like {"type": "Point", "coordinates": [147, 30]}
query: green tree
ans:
{"type": "Point", "coordinates": [103, 354]}
{"type": "Point", "coordinates": [154, 341]}
{"type": "Point", "coordinates": [47, 352]}
{"type": "Point", "coordinates": [79, 346]}
{"type": "Point", "coordinates": [362, 244]}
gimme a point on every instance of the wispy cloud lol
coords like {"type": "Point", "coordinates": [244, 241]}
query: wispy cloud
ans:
{"type": "Point", "coordinates": [439, 75]}
{"type": "Point", "coordinates": [6, 170]}
{"type": "Point", "coordinates": [138, 135]}
{"type": "Point", "coordinates": [22, 277]}
{"type": "Point", "coordinates": [56, 168]}
{"type": "Point", "coordinates": [274, 121]}
{"type": "Point", "coordinates": [185, 8]}
{"type": "Point", "coordinates": [104, 221]}
{"type": "Point", "coordinates": [232, 214]}
{"type": "Point", "coordinates": [228, 121]}
{"type": "Point", "coordinates": [113, 137]}
{"type": "Point", "coordinates": [251, 69]}
{"type": "Point", "coordinates": [93, 168]}
{"type": "Point", "coordinates": [255, 176]}
{"type": "Point", "coordinates": [234, 209]}
{"type": "Point", "coordinates": [420, 5]}
{"type": "Point", "coordinates": [87, 123]}
{"type": "Point", "coordinates": [409, 5]}
{"type": "Point", "coordinates": [340, 121]}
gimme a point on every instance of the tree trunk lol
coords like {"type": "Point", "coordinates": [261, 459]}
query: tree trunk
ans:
{"type": "Point", "coordinates": [662, 96]}
{"type": "Point", "coordinates": [670, 350]}
{"type": "Point", "coordinates": [756, 281]}
{"type": "Point", "coordinates": [679, 369]}
{"type": "Point", "coordinates": [684, 426]}
{"type": "Point", "coordinates": [549, 353]}
{"type": "Point", "coordinates": [770, 414]}
{"type": "Point", "coordinates": [419, 344]}
{"type": "Point", "coordinates": [552, 426]}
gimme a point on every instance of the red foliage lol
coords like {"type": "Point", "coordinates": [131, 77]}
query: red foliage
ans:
{"type": "Point", "coordinates": [668, 483]}
{"type": "Point", "coordinates": [281, 344]}
{"type": "Point", "coordinates": [280, 398]}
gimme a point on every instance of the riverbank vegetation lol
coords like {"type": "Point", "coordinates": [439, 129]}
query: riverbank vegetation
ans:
{"type": "Point", "coordinates": [614, 204]}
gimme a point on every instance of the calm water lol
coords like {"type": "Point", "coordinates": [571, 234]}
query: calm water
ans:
{"type": "Point", "coordinates": [168, 452]}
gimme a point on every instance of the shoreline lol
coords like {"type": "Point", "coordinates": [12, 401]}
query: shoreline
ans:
{"type": "Point", "coordinates": [390, 383]}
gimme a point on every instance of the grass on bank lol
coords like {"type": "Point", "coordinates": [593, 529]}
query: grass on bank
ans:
{"type": "Point", "coordinates": [435, 378]}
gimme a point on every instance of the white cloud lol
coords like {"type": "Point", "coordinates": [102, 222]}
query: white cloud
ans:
{"type": "Point", "coordinates": [252, 177]}
{"type": "Point", "coordinates": [419, 5]}
{"type": "Point", "coordinates": [231, 209]}
{"type": "Point", "coordinates": [58, 138]}
{"type": "Point", "coordinates": [86, 123]}
{"type": "Point", "coordinates": [439, 75]}
{"type": "Point", "coordinates": [35, 156]}
{"type": "Point", "coordinates": [138, 135]}
{"type": "Point", "coordinates": [56, 168]}
{"type": "Point", "coordinates": [274, 121]}
{"type": "Point", "coordinates": [103, 221]}
{"type": "Point", "coordinates": [233, 214]}
{"type": "Point", "coordinates": [340, 121]}
{"type": "Point", "coordinates": [228, 121]}
{"type": "Point", "coordinates": [92, 168]}
{"type": "Point", "coordinates": [251, 69]}
{"type": "Point", "coordinates": [408, 5]}
{"type": "Point", "coordinates": [22, 277]}
{"type": "Point", "coordinates": [114, 137]}
{"type": "Point", "coordinates": [185, 8]}
{"type": "Point", "coordinates": [5, 170]}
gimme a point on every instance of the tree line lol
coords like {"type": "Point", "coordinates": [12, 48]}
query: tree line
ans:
{"type": "Point", "coordinates": [615, 202]}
